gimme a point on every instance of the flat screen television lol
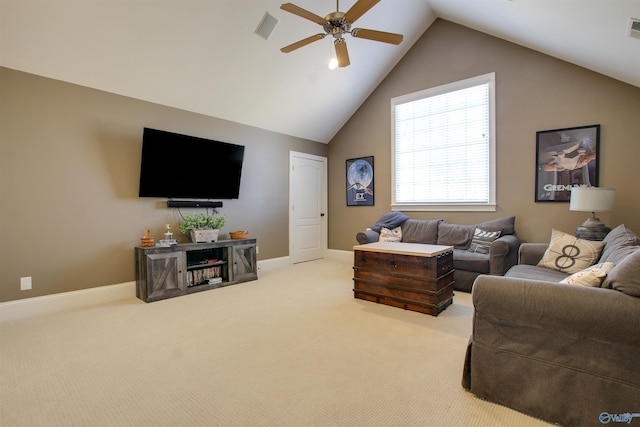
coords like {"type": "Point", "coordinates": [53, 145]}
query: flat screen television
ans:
{"type": "Point", "coordinates": [188, 167]}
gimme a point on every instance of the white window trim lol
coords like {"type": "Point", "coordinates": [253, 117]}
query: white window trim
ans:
{"type": "Point", "coordinates": [462, 84]}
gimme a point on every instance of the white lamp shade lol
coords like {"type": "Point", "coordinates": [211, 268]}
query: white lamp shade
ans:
{"type": "Point", "coordinates": [592, 199]}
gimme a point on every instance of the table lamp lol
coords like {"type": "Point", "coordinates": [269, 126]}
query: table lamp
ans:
{"type": "Point", "coordinates": [592, 199]}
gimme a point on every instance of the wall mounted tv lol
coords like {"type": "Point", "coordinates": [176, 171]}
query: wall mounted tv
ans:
{"type": "Point", "coordinates": [182, 166]}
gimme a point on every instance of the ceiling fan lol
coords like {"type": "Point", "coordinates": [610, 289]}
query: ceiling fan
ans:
{"type": "Point", "coordinates": [337, 24]}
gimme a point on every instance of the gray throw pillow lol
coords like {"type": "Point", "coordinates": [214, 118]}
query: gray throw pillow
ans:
{"type": "Point", "coordinates": [625, 276]}
{"type": "Point", "coordinates": [619, 243]}
{"type": "Point", "coordinates": [506, 225]}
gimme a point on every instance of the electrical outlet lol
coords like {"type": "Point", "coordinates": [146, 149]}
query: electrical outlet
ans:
{"type": "Point", "coordinates": [25, 283]}
{"type": "Point", "coordinates": [257, 249]}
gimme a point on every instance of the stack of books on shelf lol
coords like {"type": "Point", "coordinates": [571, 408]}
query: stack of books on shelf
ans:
{"type": "Point", "coordinates": [204, 276]}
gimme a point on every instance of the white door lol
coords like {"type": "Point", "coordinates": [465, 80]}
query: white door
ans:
{"type": "Point", "coordinates": [308, 207]}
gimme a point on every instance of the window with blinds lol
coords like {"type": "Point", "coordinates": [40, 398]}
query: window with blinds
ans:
{"type": "Point", "coordinates": [443, 147]}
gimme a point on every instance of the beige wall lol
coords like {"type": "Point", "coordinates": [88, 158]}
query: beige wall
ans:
{"type": "Point", "coordinates": [69, 160]}
{"type": "Point", "coordinates": [69, 166]}
{"type": "Point", "coordinates": [533, 92]}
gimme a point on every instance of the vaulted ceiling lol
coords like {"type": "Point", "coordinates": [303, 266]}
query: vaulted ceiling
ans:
{"type": "Point", "coordinates": [204, 56]}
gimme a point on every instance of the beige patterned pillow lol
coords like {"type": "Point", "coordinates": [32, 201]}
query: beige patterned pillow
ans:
{"type": "Point", "coordinates": [387, 235]}
{"type": "Point", "coordinates": [569, 254]}
{"type": "Point", "coordinates": [592, 276]}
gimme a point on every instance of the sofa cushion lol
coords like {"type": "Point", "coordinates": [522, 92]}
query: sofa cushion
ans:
{"type": "Point", "coordinates": [592, 276]}
{"type": "Point", "coordinates": [625, 276]}
{"type": "Point", "coordinates": [470, 261]}
{"type": "Point", "coordinates": [622, 235]}
{"type": "Point", "coordinates": [387, 235]}
{"type": "Point", "coordinates": [421, 231]}
{"type": "Point", "coordinates": [482, 240]}
{"type": "Point", "coordinates": [389, 220]}
{"type": "Point", "coordinates": [460, 236]}
{"type": "Point", "coordinates": [569, 254]}
{"type": "Point", "coordinates": [619, 243]}
{"type": "Point", "coordinates": [531, 272]}
{"type": "Point", "coordinates": [505, 225]}
{"type": "Point", "coordinates": [456, 235]}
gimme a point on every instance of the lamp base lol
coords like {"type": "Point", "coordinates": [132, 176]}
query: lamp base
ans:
{"type": "Point", "coordinates": [592, 222]}
{"type": "Point", "coordinates": [592, 233]}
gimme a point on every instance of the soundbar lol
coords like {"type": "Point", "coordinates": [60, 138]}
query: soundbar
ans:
{"type": "Point", "coordinates": [192, 204]}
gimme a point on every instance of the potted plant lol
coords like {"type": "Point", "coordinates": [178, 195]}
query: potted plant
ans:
{"type": "Point", "coordinates": [202, 227]}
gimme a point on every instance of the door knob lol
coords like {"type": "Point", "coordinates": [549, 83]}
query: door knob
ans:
{"type": "Point", "coordinates": [322, 214]}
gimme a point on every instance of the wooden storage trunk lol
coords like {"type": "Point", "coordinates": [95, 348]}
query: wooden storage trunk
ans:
{"type": "Point", "coordinates": [411, 276]}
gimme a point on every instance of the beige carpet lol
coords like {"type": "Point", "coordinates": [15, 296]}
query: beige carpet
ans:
{"type": "Point", "coordinates": [293, 348]}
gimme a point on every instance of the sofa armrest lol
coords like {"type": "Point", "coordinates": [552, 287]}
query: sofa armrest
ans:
{"type": "Point", "coordinates": [503, 254]}
{"type": "Point", "coordinates": [367, 236]}
{"type": "Point", "coordinates": [597, 314]}
{"type": "Point", "coordinates": [531, 253]}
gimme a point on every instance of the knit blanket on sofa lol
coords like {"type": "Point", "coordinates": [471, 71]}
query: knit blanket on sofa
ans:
{"type": "Point", "coordinates": [389, 220]}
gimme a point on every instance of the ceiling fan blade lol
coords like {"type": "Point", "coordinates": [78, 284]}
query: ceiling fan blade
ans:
{"type": "Point", "coordinates": [297, 10]}
{"type": "Point", "coordinates": [303, 42]}
{"type": "Point", "coordinates": [379, 36]}
{"type": "Point", "coordinates": [358, 9]}
{"type": "Point", "coordinates": [342, 55]}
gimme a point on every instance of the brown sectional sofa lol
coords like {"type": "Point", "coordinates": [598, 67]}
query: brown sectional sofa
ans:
{"type": "Point", "coordinates": [503, 252]}
{"type": "Point", "coordinates": [567, 354]}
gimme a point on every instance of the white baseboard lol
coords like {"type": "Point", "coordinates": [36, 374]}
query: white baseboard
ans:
{"type": "Point", "coordinates": [47, 304]}
{"type": "Point", "coordinates": [55, 303]}
{"type": "Point", "coordinates": [273, 263]}
{"type": "Point", "coordinates": [340, 254]}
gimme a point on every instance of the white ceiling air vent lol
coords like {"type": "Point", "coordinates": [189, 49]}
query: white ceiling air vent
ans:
{"type": "Point", "coordinates": [266, 26]}
{"type": "Point", "coordinates": [634, 28]}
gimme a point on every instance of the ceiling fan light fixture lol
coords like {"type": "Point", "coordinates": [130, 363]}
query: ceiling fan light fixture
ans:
{"type": "Point", "coordinates": [333, 63]}
{"type": "Point", "coordinates": [337, 24]}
